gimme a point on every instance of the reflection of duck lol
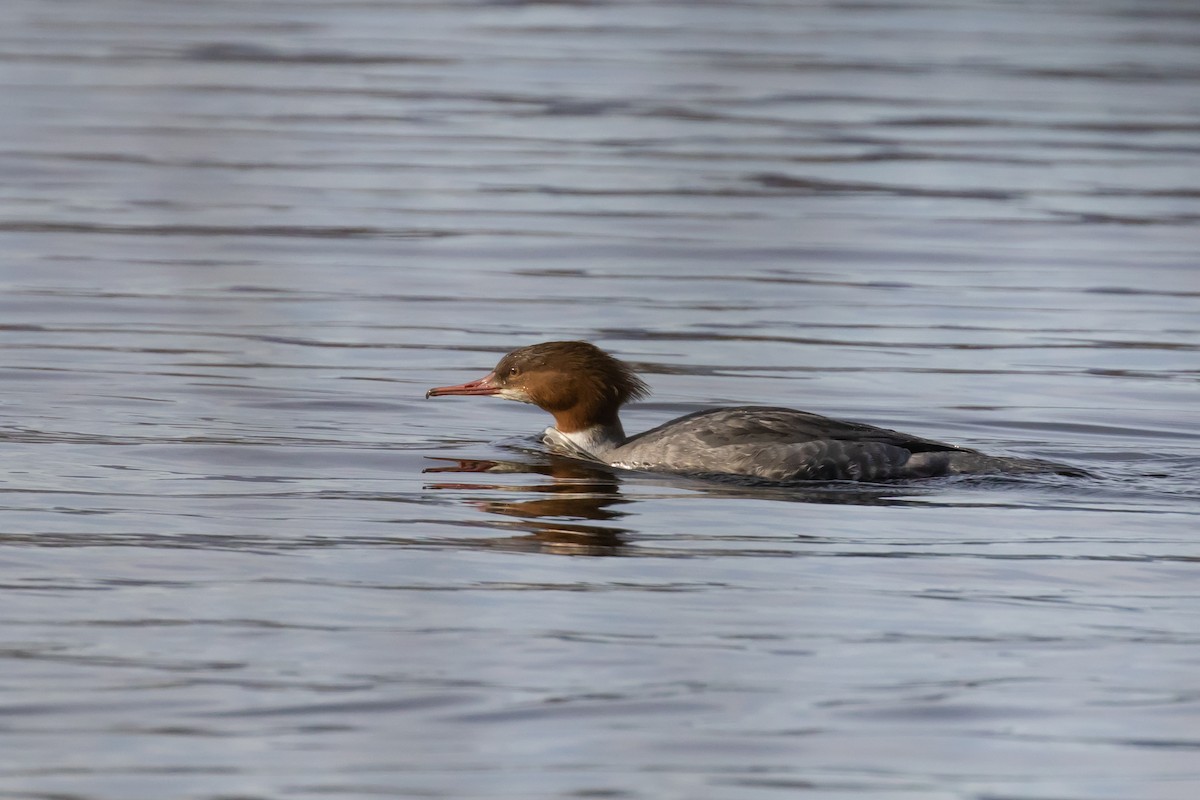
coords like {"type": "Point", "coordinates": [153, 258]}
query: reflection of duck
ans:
{"type": "Point", "coordinates": [578, 491]}
{"type": "Point", "coordinates": [584, 388]}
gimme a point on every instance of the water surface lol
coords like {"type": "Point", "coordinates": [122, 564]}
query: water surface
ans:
{"type": "Point", "coordinates": [243, 557]}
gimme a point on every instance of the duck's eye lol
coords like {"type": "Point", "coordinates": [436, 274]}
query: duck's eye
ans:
{"type": "Point", "coordinates": [514, 372]}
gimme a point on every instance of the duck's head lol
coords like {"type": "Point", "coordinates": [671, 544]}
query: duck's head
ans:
{"type": "Point", "coordinates": [577, 382]}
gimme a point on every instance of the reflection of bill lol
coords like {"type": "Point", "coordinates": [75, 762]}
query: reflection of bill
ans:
{"type": "Point", "coordinates": [576, 492]}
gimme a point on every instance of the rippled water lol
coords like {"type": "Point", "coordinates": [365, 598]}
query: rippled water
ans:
{"type": "Point", "coordinates": [242, 556]}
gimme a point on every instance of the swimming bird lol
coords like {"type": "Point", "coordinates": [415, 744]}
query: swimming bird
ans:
{"type": "Point", "coordinates": [584, 387]}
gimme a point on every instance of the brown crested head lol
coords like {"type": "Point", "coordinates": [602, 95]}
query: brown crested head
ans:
{"type": "Point", "coordinates": [577, 382]}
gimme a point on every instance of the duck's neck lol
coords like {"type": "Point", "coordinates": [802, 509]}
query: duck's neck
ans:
{"type": "Point", "coordinates": [596, 440]}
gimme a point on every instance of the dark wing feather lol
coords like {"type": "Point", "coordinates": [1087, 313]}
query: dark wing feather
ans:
{"type": "Point", "coordinates": [749, 425]}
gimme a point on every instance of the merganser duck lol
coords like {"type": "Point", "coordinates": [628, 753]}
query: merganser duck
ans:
{"type": "Point", "coordinates": [584, 388]}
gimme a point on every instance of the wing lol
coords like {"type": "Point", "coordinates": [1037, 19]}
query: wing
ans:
{"type": "Point", "coordinates": [765, 425]}
{"type": "Point", "coordinates": [780, 444]}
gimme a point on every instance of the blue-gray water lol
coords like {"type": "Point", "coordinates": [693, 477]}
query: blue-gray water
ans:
{"type": "Point", "coordinates": [239, 240]}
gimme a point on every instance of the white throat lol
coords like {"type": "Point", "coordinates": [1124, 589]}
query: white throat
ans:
{"type": "Point", "coordinates": [594, 442]}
